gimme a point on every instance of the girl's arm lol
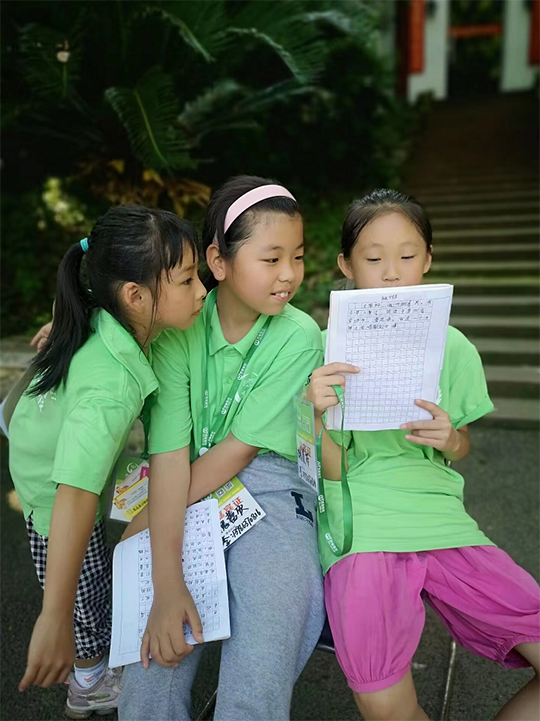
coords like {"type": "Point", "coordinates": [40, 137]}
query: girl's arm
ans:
{"type": "Point", "coordinates": [208, 473]}
{"type": "Point", "coordinates": [52, 648]}
{"type": "Point", "coordinates": [219, 465]}
{"type": "Point", "coordinates": [173, 606]}
{"type": "Point", "coordinates": [323, 396]}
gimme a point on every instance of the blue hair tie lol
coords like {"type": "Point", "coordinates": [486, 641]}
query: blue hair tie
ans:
{"type": "Point", "coordinates": [84, 244]}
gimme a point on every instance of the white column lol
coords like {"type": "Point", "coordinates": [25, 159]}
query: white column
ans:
{"type": "Point", "coordinates": [517, 74]}
{"type": "Point", "coordinates": [434, 79]}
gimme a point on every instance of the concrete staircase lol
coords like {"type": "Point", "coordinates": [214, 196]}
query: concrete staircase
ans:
{"type": "Point", "coordinates": [476, 172]}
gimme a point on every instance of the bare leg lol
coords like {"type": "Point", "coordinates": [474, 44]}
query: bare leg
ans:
{"type": "Point", "coordinates": [397, 703]}
{"type": "Point", "coordinates": [525, 706]}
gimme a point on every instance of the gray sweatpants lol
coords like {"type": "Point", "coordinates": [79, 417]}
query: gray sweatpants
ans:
{"type": "Point", "coordinates": [276, 606]}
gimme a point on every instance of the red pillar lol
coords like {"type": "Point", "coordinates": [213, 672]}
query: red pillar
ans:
{"type": "Point", "coordinates": [534, 48]}
{"type": "Point", "coordinates": [417, 22]}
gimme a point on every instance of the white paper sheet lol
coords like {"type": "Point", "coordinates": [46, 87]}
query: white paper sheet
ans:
{"type": "Point", "coordinates": [204, 574]}
{"type": "Point", "coordinates": [396, 336]}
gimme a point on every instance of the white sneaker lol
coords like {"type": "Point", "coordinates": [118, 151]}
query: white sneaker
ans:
{"type": "Point", "coordinates": [101, 698]}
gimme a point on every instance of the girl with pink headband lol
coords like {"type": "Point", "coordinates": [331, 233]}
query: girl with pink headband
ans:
{"type": "Point", "coordinates": [227, 391]}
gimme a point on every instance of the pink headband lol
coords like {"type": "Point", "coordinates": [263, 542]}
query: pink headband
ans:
{"type": "Point", "coordinates": [250, 198]}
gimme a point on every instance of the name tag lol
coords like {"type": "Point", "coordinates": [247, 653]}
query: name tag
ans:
{"type": "Point", "coordinates": [305, 444]}
{"type": "Point", "coordinates": [238, 510]}
{"type": "Point", "coordinates": [130, 493]}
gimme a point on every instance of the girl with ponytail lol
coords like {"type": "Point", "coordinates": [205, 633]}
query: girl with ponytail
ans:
{"type": "Point", "coordinates": [134, 276]}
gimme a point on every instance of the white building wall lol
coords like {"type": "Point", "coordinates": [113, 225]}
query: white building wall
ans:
{"type": "Point", "coordinates": [517, 74]}
{"type": "Point", "coordinates": [434, 78]}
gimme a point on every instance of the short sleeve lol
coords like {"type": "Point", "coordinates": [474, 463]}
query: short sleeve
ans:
{"type": "Point", "coordinates": [338, 437]}
{"type": "Point", "coordinates": [90, 442]}
{"type": "Point", "coordinates": [270, 408]}
{"type": "Point", "coordinates": [468, 398]}
{"type": "Point", "coordinates": [170, 426]}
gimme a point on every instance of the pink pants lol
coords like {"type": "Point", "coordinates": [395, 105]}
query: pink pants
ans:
{"type": "Point", "coordinates": [374, 603]}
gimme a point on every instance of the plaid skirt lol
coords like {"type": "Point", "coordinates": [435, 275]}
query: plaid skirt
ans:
{"type": "Point", "coordinates": [92, 618]}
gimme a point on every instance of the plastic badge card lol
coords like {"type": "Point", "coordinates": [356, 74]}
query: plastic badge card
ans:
{"type": "Point", "coordinates": [397, 337]}
{"type": "Point", "coordinates": [205, 575]}
{"type": "Point", "coordinates": [238, 510]}
{"type": "Point", "coordinates": [305, 444]}
{"type": "Point", "coordinates": [130, 493]}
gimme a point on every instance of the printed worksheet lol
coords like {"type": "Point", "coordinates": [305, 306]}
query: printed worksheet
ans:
{"type": "Point", "coordinates": [204, 574]}
{"type": "Point", "coordinates": [396, 336]}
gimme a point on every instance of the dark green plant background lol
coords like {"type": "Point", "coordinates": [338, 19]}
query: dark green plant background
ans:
{"type": "Point", "coordinates": [159, 102]}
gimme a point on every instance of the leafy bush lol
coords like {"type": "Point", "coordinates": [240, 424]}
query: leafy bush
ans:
{"type": "Point", "coordinates": [155, 101]}
{"type": "Point", "coordinates": [207, 66]}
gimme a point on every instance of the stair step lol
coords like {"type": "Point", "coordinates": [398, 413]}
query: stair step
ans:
{"type": "Point", "coordinates": [503, 305]}
{"type": "Point", "coordinates": [485, 268]}
{"type": "Point", "coordinates": [474, 188]}
{"type": "Point", "coordinates": [517, 413]}
{"type": "Point", "coordinates": [531, 231]}
{"type": "Point", "coordinates": [503, 251]}
{"type": "Point", "coordinates": [507, 352]}
{"type": "Point", "coordinates": [474, 209]}
{"type": "Point", "coordinates": [453, 180]}
{"type": "Point", "coordinates": [489, 287]}
{"type": "Point", "coordinates": [513, 381]}
{"type": "Point", "coordinates": [427, 196]}
{"type": "Point", "coordinates": [488, 247]}
{"type": "Point", "coordinates": [494, 327]}
{"type": "Point", "coordinates": [519, 219]}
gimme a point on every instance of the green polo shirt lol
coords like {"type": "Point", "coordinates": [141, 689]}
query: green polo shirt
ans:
{"type": "Point", "coordinates": [405, 497]}
{"type": "Point", "coordinates": [263, 412]}
{"type": "Point", "coordinates": [74, 435]}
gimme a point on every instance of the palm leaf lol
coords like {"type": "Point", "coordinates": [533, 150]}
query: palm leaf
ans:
{"type": "Point", "coordinates": [199, 24]}
{"type": "Point", "coordinates": [49, 65]}
{"type": "Point", "coordinates": [281, 27]}
{"type": "Point", "coordinates": [228, 105]}
{"type": "Point", "coordinates": [212, 108]}
{"type": "Point", "coordinates": [355, 19]}
{"type": "Point", "coordinates": [304, 62]}
{"type": "Point", "coordinates": [282, 92]}
{"type": "Point", "coordinates": [149, 113]}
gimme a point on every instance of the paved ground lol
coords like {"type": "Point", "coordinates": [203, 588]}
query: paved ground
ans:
{"type": "Point", "coordinates": [502, 494]}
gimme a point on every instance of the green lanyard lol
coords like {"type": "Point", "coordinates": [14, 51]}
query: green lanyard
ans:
{"type": "Point", "coordinates": [345, 492]}
{"type": "Point", "coordinates": [208, 436]}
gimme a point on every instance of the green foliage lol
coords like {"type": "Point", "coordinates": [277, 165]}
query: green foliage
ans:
{"type": "Point", "coordinates": [152, 101]}
{"type": "Point", "coordinates": [149, 113]}
{"type": "Point", "coordinates": [349, 132]}
{"type": "Point", "coordinates": [189, 49]}
{"type": "Point", "coordinates": [42, 225]}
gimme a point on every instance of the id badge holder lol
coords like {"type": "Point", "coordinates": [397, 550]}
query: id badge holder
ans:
{"type": "Point", "coordinates": [238, 510]}
{"type": "Point", "coordinates": [306, 454]}
{"type": "Point", "coordinates": [130, 488]}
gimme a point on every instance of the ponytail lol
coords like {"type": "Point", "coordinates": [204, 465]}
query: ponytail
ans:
{"type": "Point", "coordinates": [129, 243]}
{"type": "Point", "coordinates": [71, 326]}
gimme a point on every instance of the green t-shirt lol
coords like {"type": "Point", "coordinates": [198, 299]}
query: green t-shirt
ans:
{"type": "Point", "coordinates": [405, 497]}
{"type": "Point", "coordinates": [74, 435]}
{"type": "Point", "coordinates": [264, 413]}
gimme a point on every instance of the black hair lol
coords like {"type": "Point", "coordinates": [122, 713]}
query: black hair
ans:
{"type": "Point", "coordinates": [377, 203]}
{"type": "Point", "coordinates": [129, 243]}
{"type": "Point", "coordinates": [242, 228]}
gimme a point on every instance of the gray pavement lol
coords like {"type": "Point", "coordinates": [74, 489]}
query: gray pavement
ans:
{"type": "Point", "coordinates": [502, 493]}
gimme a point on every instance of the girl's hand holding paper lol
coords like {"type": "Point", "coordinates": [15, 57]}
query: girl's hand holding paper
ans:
{"type": "Point", "coordinates": [438, 433]}
{"type": "Point", "coordinates": [320, 391]}
{"type": "Point", "coordinates": [164, 638]}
